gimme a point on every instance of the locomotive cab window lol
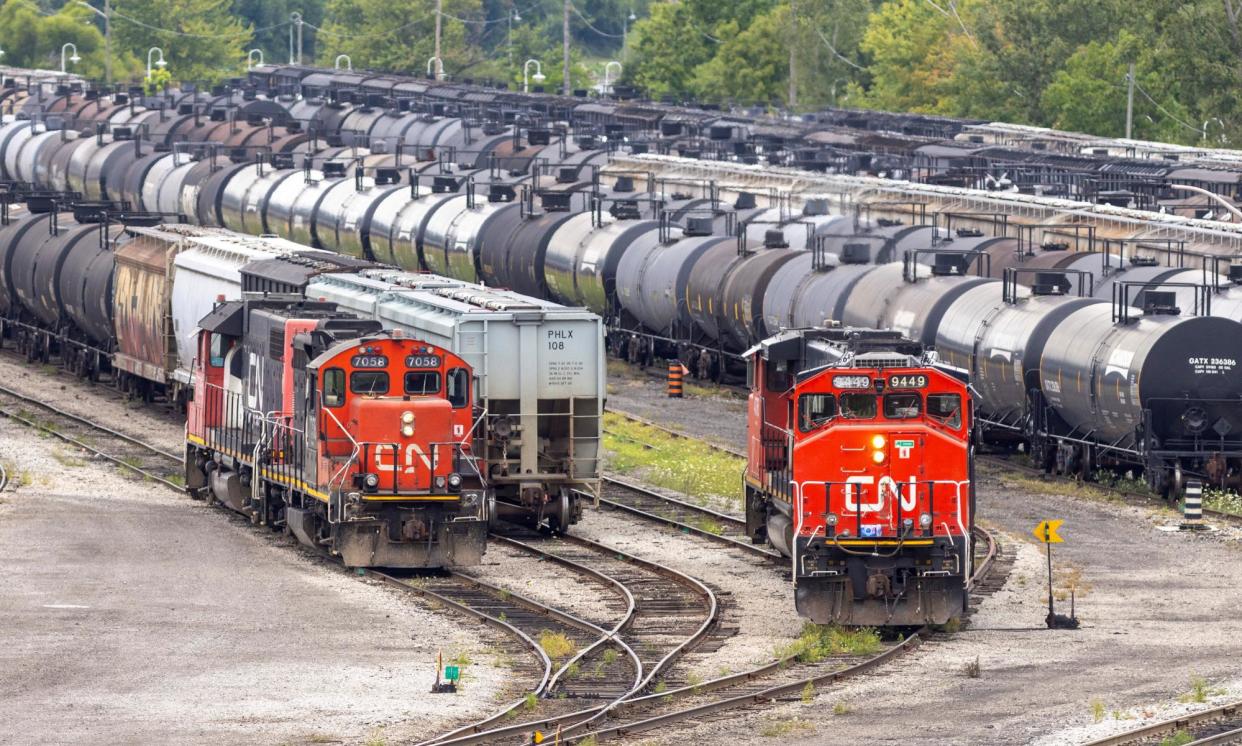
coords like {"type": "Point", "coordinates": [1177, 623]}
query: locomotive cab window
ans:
{"type": "Point", "coordinates": [815, 410]}
{"type": "Point", "coordinates": [218, 348]}
{"type": "Point", "coordinates": [369, 382]}
{"type": "Point", "coordinates": [902, 406]}
{"type": "Point", "coordinates": [422, 382]}
{"type": "Point", "coordinates": [945, 409]}
{"type": "Point", "coordinates": [333, 387]}
{"type": "Point", "coordinates": [858, 406]}
{"type": "Point", "coordinates": [458, 387]}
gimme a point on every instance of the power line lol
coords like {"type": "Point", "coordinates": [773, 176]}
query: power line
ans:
{"type": "Point", "coordinates": [1166, 112]}
{"type": "Point", "coordinates": [175, 32]}
{"type": "Point", "coordinates": [837, 54]}
{"type": "Point", "coordinates": [588, 23]}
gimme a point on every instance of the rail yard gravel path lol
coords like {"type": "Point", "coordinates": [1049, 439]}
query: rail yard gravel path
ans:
{"type": "Point", "coordinates": [131, 614]}
{"type": "Point", "coordinates": [1159, 611]}
{"type": "Point", "coordinates": [754, 588]}
{"type": "Point", "coordinates": [549, 583]}
{"type": "Point", "coordinates": [153, 423]}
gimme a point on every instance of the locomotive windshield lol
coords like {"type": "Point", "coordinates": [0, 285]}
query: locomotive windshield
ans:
{"type": "Point", "coordinates": [815, 410]}
{"type": "Point", "coordinates": [946, 409]}
{"type": "Point", "coordinates": [903, 406]}
{"type": "Point", "coordinates": [857, 406]}
{"type": "Point", "coordinates": [422, 382]}
{"type": "Point", "coordinates": [369, 382]}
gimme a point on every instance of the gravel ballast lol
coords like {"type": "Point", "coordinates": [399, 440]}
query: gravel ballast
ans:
{"type": "Point", "coordinates": [131, 614]}
{"type": "Point", "coordinates": [1158, 608]}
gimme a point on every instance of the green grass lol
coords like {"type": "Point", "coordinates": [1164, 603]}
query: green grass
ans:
{"type": "Point", "coordinates": [1097, 710]}
{"type": "Point", "coordinates": [1225, 501]}
{"type": "Point", "coordinates": [688, 466]}
{"type": "Point", "coordinates": [785, 727]}
{"type": "Point", "coordinates": [531, 701]}
{"type": "Point", "coordinates": [67, 459]}
{"type": "Point", "coordinates": [1180, 738]}
{"type": "Point", "coordinates": [556, 644]}
{"type": "Point", "coordinates": [819, 641]}
{"type": "Point", "coordinates": [610, 656]}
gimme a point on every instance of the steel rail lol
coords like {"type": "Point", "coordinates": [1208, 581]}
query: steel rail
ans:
{"type": "Point", "coordinates": [774, 692]}
{"type": "Point", "coordinates": [707, 513]}
{"type": "Point", "coordinates": [525, 640]}
{"type": "Point", "coordinates": [1180, 722]}
{"type": "Point", "coordinates": [571, 721]}
{"type": "Point", "coordinates": [86, 446]}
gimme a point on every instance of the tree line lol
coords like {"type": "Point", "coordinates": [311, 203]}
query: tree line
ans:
{"type": "Point", "coordinates": [1058, 63]}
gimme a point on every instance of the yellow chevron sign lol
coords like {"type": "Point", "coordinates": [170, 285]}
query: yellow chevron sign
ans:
{"type": "Point", "coordinates": [1046, 532]}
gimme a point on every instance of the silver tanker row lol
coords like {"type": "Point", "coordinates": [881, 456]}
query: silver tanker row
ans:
{"type": "Point", "coordinates": [1103, 368]}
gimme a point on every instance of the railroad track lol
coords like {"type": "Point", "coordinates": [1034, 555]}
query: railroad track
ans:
{"type": "Point", "coordinates": [1211, 727]}
{"type": "Point", "coordinates": [512, 614]}
{"type": "Point", "coordinates": [670, 614]}
{"type": "Point", "coordinates": [145, 459]}
{"type": "Point", "coordinates": [785, 679]}
{"type": "Point", "coordinates": [634, 499]}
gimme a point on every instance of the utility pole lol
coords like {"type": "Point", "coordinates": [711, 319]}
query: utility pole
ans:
{"type": "Point", "coordinates": [793, 54]}
{"type": "Point", "coordinates": [1130, 101]}
{"type": "Point", "coordinates": [439, 69]}
{"type": "Point", "coordinates": [566, 85]}
{"type": "Point", "coordinates": [108, 41]}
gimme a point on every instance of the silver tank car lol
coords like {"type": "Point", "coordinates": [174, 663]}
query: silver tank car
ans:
{"type": "Point", "coordinates": [1100, 376]}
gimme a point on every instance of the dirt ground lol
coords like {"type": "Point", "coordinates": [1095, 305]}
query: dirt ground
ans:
{"type": "Point", "coordinates": [1161, 630]}
{"type": "Point", "coordinates": [131, 614]}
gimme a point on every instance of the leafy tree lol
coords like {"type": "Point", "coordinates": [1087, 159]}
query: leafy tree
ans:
{"type": "Point", "coordinates": [1088, 95]}
{"type": "Point", "coordinates": [912, 50]}
{"type": "Point", "coordinates": [665, 49]}
{"type": "Point", "coordinates": [31, 39]}
{"type": "Point", "coordinates": [752, 65]}
{"type": "Point", "coordinates": [399, 35]}
{"type": "Point", "coordinates": [270, 21]}
{"type": "Point", "coordinates": [201, 39]}
{"type": "Point", "coordinates": [530, 43]}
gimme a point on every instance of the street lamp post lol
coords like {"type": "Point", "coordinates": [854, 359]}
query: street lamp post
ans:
{"type": "Point", "coordinates": [75, 59]}
{"type": "Point", "coordinates": [439, 67]}
{"type": "Point", "coordinates": [608, 80]}
{"type": "Point", "coordinates": [295, 26]}
{"type": "Point", "coordinates": [106, 14]}
{"type": "Point", "coordinates": [538, 77]}
{"type": "Point", "coordinates": [158, 63]}
{"type": "Point", "coordinates": [250, 63]}
{"type": "Point", "coordinates": [625, 32]}
{"type": "Point", "coordinates": [514, 15]}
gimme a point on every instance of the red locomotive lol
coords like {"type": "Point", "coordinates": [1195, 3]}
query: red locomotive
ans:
{"type": "Point", "coordinates": [355, 439]}
{"type": "Point", "coordinates": [859, 469]}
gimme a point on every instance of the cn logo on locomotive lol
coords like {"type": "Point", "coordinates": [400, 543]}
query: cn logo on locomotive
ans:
{"type": "Point", "coordinates": [887, 488]}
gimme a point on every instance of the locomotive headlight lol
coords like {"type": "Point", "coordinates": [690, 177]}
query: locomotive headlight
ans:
{"type": "Point", "coordinates": [878, 441]}
{"type": "Point", "coordinates": [877, 456]}
{"type": "Point", "coordinates": [371, 480]}
{"type": "Point", "coordinates": [925, 520]}
{"type": "Point", "coordinates": [454, 482]}
{"type": "Point", "coordinates": [407, 431]}
{"type": "Point", "coordinates": [407, 418]}
{"type": "Point", "coordinates": [831, 519]}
